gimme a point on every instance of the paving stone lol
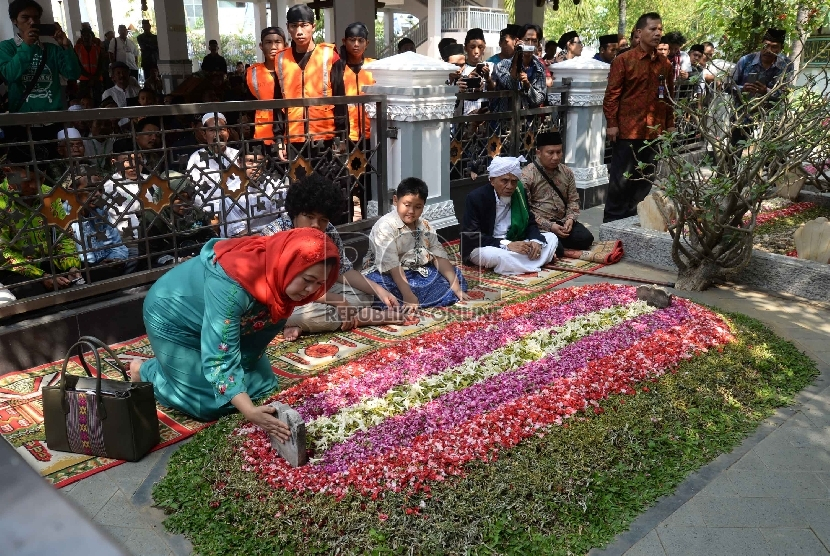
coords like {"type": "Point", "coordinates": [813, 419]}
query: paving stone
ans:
{"type": "Point", "coordinates": [93, 493]}
{"type": "Point", "coordinates": [694, 541]}
{"type": "Point", "coordinates": [798, 459]}
{"type": "Point", "coordinates": [770, 483]}
{"type": "Point", "coordinates": [129, 476]}
{"type": "Point", "coordinates": [793, 542]}
{"type": "Point", "coordinates": [648, 546]}
{"type": "Point", "coordinates": [139, 541]}
{"type": "Point", "coordinates": [750, 460]}
{"type": "Point", "coordinates": [119, 512]}
{"type": "Point", "coordinates": [688, 515]}
{"type": "Point", "coordinates": [816, 513]}
{"type": "Point", "coordinates": [721, 486]}
{"type": "Point", "coordinates": [748, 512]}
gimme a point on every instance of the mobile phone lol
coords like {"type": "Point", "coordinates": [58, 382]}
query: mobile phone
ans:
{"type": "Point", "coordinates": [480, 68]}
{"type": "Point", "coordinates": [472, 82]}
{"type": "Point", "coordinates": [751, 77]}
{"type": "Point", "coordinates": [528, 48]}
{"type": "Point", "coordinates": [46, 29]}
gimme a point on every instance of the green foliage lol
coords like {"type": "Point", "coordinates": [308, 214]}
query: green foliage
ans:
{"type": "Point", "coordinates": [235, 47]}
{"type": "Point", "coordinates": [574, 489]}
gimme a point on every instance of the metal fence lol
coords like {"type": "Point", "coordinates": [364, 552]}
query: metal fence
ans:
{"type": "Point", "coordinates": [499, 127]}
{"type": "Point", "coordinates": [150, 185]}
{"type": "Point", "coordinates": [469, 17]}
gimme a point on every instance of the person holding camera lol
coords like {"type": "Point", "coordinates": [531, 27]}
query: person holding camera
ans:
{"type": "Point", "coordinates": [524, 73]}
{"type": "Point", "coordinates": [475, 74]}
{"type": "Point", "coordinates": [31, 68]}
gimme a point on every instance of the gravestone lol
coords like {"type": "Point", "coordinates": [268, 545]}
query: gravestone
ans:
{"type": "Point", "coordinates": [292, 450]}
{"type": "Point", "coordinates": [790, 185]}
{"type": "Point", "coordinates": [812, 240]}
{"type": "Point", "coordinates": [651, 217]}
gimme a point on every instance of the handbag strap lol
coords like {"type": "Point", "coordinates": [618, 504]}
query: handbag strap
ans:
{"type": "Point", "coordinates": [95, 345]}
{"type": "Point", "coordinates": [33, 83]}
{"type": "Point", "coordinates": [553, 185]}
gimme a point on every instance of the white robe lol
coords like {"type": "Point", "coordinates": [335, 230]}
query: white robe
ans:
{"type": "Point", "coordinates": [504, 261]}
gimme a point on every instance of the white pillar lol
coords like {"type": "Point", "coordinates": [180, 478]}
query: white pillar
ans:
{"type": "Point", "coordinates": [72, 16]}
{"type": "Point", "coordinates": [104, 10]}
{"type": "Point", "coordinates": [278, 10]}
{"type": "Point", "coordinates": [434, 9]}
{"type": "Point", "coordinates": [210, 15]}
{"type": "Point", "coordinates": [528, 12]}
{"type": "Point", "coordinates": [171, 24]}
{"type": "Point", "coordinates": [260, 23]}
{"type": "Point", "coordinates": [346, 13]}
{"type": "Point", "coordinates": [388, 28]}
{"type": "Point", "coordinates": [328, 25]}
{"type": "Point", "coordinates": [7, 30]}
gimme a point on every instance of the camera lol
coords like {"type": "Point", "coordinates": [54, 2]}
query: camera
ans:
{"type": "Point", "coordinates": [472, 82]}
{"type": "Point", "coordinates": [528, 48]}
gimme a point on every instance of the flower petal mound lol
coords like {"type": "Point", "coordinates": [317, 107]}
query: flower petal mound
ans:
{"type": "Point", "coordinates": [408, 415]}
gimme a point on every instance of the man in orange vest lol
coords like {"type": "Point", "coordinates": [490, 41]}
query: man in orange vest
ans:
{"type": "Point", "coordinates": [305, 71]}
{"type": "Point", "coordinates": [93, 65]}
{"type": "Point", "coordinates": [349, 79]}
{"type": "Point", "coordinates": [262, 78]}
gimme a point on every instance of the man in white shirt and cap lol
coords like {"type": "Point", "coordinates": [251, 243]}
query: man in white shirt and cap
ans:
{"type": "Point", "coordinates": [499, 231]}
{"type": "Point", "coordinates": [207, 167]}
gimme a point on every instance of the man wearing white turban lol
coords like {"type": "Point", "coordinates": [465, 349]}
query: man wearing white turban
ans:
{"type": "Point", "coordinates": [498, 230]}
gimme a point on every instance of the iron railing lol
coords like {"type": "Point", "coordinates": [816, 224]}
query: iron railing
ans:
{"type": "Point", "coordinates": [156, 184]}
{"type": "Point", "coordinates": [509, 130]}
{"type": "Point", "coordinates": [418, 34]}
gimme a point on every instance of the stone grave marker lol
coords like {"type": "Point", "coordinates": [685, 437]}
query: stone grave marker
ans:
{"type": "Point", "coordinates": [651, 211]}
{"type": "Point", "coordinates": [292, 450]}
{"type": "Point", "coordinates": [812, 240]}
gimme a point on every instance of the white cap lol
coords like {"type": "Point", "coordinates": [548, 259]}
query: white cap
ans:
{"type": "Point", "coordinates": [211, 115]}
{"type": "Point", "coordinates": [75, 108]}
{"type": "Point", "coordinates": [70, 133]}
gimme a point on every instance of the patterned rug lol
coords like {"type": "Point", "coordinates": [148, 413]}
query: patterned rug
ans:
{"type": "Point", "coordinates": [21, 410]}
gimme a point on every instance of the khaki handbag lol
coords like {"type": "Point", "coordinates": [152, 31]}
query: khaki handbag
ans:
{"type": "Point", "coordinates": [99, 416]}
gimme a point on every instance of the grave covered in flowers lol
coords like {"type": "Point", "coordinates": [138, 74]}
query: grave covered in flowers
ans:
{"type": "Point", "coordinates": [550, 422]}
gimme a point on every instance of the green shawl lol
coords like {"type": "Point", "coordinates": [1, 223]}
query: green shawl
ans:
{"type": "Point", "coordinates": [519, 214]}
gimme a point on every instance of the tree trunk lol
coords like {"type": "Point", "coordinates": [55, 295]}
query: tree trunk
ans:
{"type": "Point", "coordinates": [797, 46]}
{"type": "Point", "coordinates": [698, 278]}
{"type": "Point", "coordinates": [622, 27]}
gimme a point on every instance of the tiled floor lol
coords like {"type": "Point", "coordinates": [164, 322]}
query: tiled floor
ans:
{"type": "Point", "coordinates": [769, 496]}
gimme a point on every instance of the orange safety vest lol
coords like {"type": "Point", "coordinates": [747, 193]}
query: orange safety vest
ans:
{"type": "Point", "coordinates": [313, 82]}
{"type": "Point", "coordinates": [89, 60]}
{"type": "Point", "coordinates": [261, 85]}
{"type": "Point", "coordinates": [354, 83]}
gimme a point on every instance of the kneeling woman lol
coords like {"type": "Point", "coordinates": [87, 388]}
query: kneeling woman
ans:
{"type": "Point", "coordinates": [210, 319]}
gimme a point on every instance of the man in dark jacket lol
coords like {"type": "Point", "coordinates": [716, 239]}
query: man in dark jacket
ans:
{"type": "Point", "coordinates": [499, 231]}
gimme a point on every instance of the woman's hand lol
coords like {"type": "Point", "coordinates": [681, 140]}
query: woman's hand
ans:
{"type": "Point", "coordinates": [263, 417]}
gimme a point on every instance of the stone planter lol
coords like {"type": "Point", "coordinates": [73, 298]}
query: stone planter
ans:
{"type": "Point", "coordinates": [766, 271]}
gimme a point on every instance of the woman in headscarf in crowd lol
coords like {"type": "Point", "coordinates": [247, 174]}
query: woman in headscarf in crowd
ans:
{"type": "Point", "coordinates": [210, 319]}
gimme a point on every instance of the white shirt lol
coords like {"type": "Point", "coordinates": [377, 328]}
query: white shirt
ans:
{"type": "Point", "coordinates": [503, 217]}
{"type": "Point", "coordinates": [121, 95]}
{"type": "Point", "coordinates": [125, 215]}
{"type": "Point", "coordinates": [205, 170]}
{"type": "Point", "coordinates": [125, 51]}
{"type": "Point", "coordinates": [259, 206]}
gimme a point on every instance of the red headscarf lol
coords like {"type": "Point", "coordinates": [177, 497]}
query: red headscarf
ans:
{"type": "Point", "coordinates": [265, 265]}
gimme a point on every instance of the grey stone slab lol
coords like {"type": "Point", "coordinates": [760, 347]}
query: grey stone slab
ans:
{"type": "Point", "coordinates": [793, 542]}
{"type": "Point", "coordinates": [771, 483]}
{"type": "Point", "coordinates": [93, 493]}
{"type": "Point", "coordinates": [750, 460]}
{"type": "Point", "coordinates": [721, 486]}
{"type": "Point", "coordinates": [140, 542]}
{"type": "Point", "coordinates": [699, 541]}
{"type": "Point", "coordinates": [119, 512]}
{"type": "Point", "coordinates": [748, 512]}
{"type": "Point", "coordinates": [688, 515]}
{"type": "Point", "coordinates": [817, 515]}
{"type": "Point", "coordinates": [649, 546]}
{"type": "Point", "coordinates": [798, 459]}
{"type": "Point", "coordinates": [129, 476]}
